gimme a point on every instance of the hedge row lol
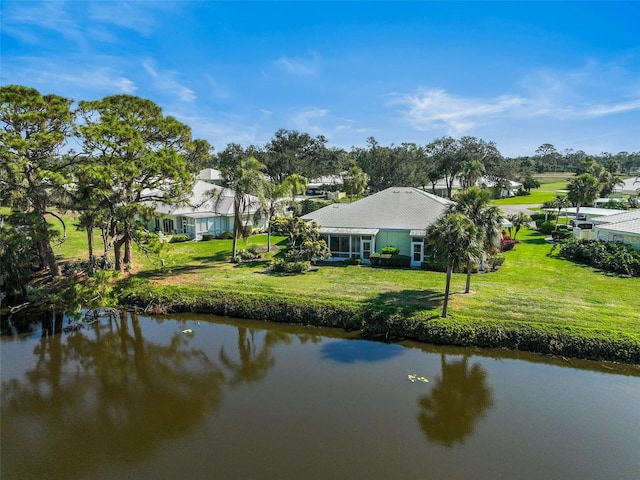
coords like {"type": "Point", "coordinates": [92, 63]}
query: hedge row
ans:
{"type": "Point", "coordinates": [613, 257]}
{"type": "Point", "coordinates": [568, 342]}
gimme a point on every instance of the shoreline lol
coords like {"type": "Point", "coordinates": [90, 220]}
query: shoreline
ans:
{"type": "Point", "coordinates": [571, 342]}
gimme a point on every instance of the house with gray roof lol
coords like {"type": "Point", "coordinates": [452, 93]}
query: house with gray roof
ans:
{"type": "Point", "coordinates": [210, 209]}
{"type": "Point", "coordinates": [397, 216]}
{"type": "Point", "coordinates": [622, 227]}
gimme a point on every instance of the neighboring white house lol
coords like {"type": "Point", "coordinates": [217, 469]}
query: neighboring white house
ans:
{"type": "Point", "coordinates": [210, 209]}
{"type": "Point", "coordinates": [622, 227]}
{"type": "Point", "coordinates": [583, 220]}
{"type": "Point", "coordinates": [510, 189]}
{"type": "Point", "coordinates": [397, 216]}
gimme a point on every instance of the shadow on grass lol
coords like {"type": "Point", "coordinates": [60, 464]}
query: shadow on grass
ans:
{"type": "Point", "coordinates": [536, 240]}
{"type": "Point", "coordinates": [406, 302]}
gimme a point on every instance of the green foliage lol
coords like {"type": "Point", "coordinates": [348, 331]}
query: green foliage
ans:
{"type": "Point", "coordinates": [305, 243]}
{"type": "Point", "coordinates": [547, 227]}
{"type": "Point", "coordinates": [18, 255]}
{"type": "Point", "coordinates": [253, 249]}
{"type": "Point", "coordinates": [182, 237]}
{"type": "Point", "coordinates": [282, 266]}
{"type": "Point", "coordinates": [207, 237]}
{"type": "Point", "coordinates": [353, 261]}
{"type": "Point", "coordinates": [495, 261]}
{"type": "Point", "coordinates": [613, 257]}
{"type": "Point", "coordinates": [390, 250]}
{"type": "Point", "coordinates": [137, 156]}
{"type": "Point", "coordinates": [308, 206]}
{"type": "Point", "coordinates": [226, 235]}
{"type": "Point", "coordinates": [34, 128]}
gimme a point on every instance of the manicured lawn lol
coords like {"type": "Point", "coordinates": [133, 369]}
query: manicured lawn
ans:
{"type": "Point", "coordinates": [531, 287]}
{"type": "Point", "coordinates": [547, 191]}
{"type": "Point", "coordinates": [531, 290]}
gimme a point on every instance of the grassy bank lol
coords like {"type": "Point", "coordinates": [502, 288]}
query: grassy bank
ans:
{"type": "Point", "coordinates": [534, 302]}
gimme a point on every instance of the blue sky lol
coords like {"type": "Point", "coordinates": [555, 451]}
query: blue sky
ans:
{"type": "Point", "coordinates": [517, 73]}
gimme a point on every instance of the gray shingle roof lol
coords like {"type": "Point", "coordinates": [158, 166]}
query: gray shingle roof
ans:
{"type": "Point", "coordinates": [396, 208]}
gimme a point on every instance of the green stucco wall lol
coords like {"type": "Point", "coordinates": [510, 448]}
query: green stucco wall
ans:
{"type": "Point", "coordinates": [399, 239]}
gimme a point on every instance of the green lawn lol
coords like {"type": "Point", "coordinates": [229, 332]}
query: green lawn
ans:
{"type": "Point", "coordinates": [547, 192]}
{"type": "Point", "coordinates": [530, 288]}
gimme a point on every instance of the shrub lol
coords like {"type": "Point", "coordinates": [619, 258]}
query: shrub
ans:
{"type": "Point", "coordinates": [388, 260]}
{"type": "Point", "coordinates": [538, 216]}
{"type": "Point", "coordinates": [390, 250]}
{"type": "Point", "coordinates": [507, 244]}
{"type": "Point", "coordinates": [547, 227]}
{"type": "Point", "coordinates": [207, 236]}
{"type": "Point", "coordinates": [353, 261]}
{"type": "Point", "coordinates": [495, 261]}
{"type": "Point", "coordinates": [245, 255]}
{"type": "Point", "coordinates": [253, 249]}
{"type": "Point", "coordinates": [398, 261]}
{"type": "Point", "coordinates": [281, 266]}
{"type": "Point", "coordinates": [183, 237]}
{"type": "Point", "coordinates": [613, 257]}
{"type": "Point", "coordinates": [225, 235]}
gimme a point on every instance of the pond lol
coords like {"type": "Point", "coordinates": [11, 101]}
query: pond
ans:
{"type": "Point", "coordinates": [127, 396]}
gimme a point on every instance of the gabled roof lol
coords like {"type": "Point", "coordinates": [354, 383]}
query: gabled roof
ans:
{"type": "Point", "coordinates": [396, 208]}
{"type": "Point", "coordinates": [207, 200]}
{"type": "Point", "coordinates": [210, 174]}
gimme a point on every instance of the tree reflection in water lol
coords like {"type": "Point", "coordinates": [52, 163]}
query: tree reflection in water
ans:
{"type": "Point", "coordinates": [92, 396]}
{"type": "Point", "coordinates": [459, 398]}
{"type": "Point", "coordinates": [254, 363]}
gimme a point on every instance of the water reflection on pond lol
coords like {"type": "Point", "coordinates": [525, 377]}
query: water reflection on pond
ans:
{"type": "Point", "coordinates": [139, 397]}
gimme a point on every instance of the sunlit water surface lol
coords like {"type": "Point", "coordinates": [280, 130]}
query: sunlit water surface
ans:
{"type": "Point", "coordinates": [189, 397]}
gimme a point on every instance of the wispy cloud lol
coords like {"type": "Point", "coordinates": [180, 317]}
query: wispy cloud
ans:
{"type": "Point", "coordinates": [306, 120]}
{"type": "Point", "coordinates": [591, 92]}
{"type": "Point", "coordinates": [167, 82]}
{"type": "Point", "coordinates": [70, 79]}
{"type": "Point", "coordinates": [299, 66]}
{"type": "Point", "coordinates": [435, 109]}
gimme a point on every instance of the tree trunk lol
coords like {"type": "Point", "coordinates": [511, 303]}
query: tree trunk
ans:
{"type": "Point", "coordinates": [47, 257]}
{"type": "Point", "coordinates": [468, 286]}
{"type": "Point", "coordinates": [90, 244]}
{"type": "Point", "coordinates": [235, 242]}
{"type": "Point", "coordinates": [446, 291]}
{"type": "Point", "coordinates": [117, 252]}
{"type": "Point", "coordinates": [269, 237]}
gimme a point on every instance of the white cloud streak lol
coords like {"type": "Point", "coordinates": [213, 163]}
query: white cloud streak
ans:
{"type": "Point", "coordinates": [574, 95]}
{"type": "Point", "coordinates": [298, 67]}
{"type": "Point", "coordinates": [166, 81]}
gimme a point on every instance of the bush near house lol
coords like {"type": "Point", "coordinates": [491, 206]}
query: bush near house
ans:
{"type": "Point", "coordinates": [207, 237]}
{"type": "Point", "coordinates": [613, 257]}
{"type": "Point", "coordinates": [183, 237]}
{"type": "Point", "coordinates": [389, 260]}
{"type": "Point", "coordinates": [390, 250]}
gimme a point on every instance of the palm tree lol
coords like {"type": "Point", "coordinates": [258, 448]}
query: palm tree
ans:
{"type": "Point", "coordinates": [583, 190]}
{"type": "Point", "coordinates": [475, 203]}
{"type": "Point", "coordinates": [561, 202]}
{"type": "Point", "coordinates": [273, 203]}
{"type": "Point", "coordinates": [295, 185]}
{"type": "Point", "coordinates": [470, 173]}
{"type": "Point", "coordinates": [456, 240]}
{"type": "Point", "coordinates": [244, 179]}
{"type": "Point", "coordinates": [518, 220]}
{"type": "Point", "coordinates": [355, 181]}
